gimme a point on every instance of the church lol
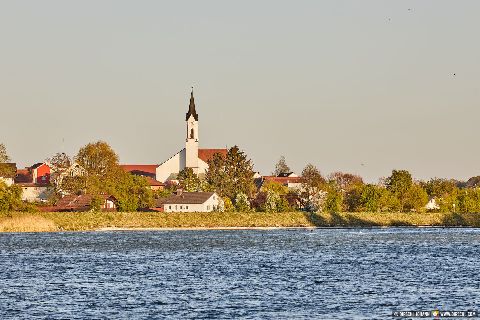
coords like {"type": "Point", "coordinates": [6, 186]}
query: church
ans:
{"type": "Point", "coordinates": [189, 157]}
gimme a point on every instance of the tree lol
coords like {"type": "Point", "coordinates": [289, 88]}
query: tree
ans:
{"type": "Point", "coordinates": [6, 170]}
{"type": "Point", "coordinates": [469, 200]}
{"type": "Point", "coordinates": [103, 175]}
{"type": "Point", "coordinates": [241, 203]}
{"type": "Point", "coordinates": [437, 187]}
{"type": "Point", "coordinates": [312, 194]}
{"type": "Point", "coordinates": [281, 167]}
{"type": "Point", "coordinates": [345, 181]}
{"type": "Point", "coordinates": [59, 164]}
{"type": "Point", "coordinates": [132, 192]}
{"type": "Point", "coordinates": [444, 191]}
{"type": "Point", "coordinates": [416, 198]}
{"type": "Point", "coordinates": [232, 174]}
{"type": "Point", "coordinates": [334, 198]}
{"type": "Point", "coordinates": [10, 198]}
{"type": "Point", "coordinates": [275, 187]}
{"type": "Point", "coordinates": [271, 201]}
{"type": "Point", "coordinates": [399, 184]}
{"type": "Point", "coordinates": [189, 181]}
{"type": "Point", "coordinates": [97, 159]}
{"type": "Point", "coordinates": [376, 198]}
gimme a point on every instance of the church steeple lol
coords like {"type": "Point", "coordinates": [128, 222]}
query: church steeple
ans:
{"type": "Point", "coordinates": [191, 108]}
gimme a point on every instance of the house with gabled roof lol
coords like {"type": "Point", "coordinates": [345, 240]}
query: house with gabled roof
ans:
{"type": "Point", "coordinates": [189, 202]}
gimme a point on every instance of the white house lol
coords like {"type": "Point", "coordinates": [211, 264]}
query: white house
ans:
{"type": "Point", "coordinates": [432, 205]}
{"type": "Point", "coordinates": [190, 202]}
{"type": "Point", "coordinates": [34, 192]}
{"type": "Point", "coordinates": [191, 156]}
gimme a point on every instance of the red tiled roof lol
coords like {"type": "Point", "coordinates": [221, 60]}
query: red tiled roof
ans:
{"type": "Point", "coordinates": [207, 154]}
{"type": "Point", "coordinates": [77, 202]}
{"type": "Point", "coordinates": [154, 183]}
{"type": "Point", "coordinates": [23, 176]}
{"type": "Point", "coordinates": [148, 170]}
{"type": "Point", "coordinates": [283, 180]}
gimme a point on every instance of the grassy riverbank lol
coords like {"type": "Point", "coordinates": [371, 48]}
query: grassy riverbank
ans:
{"type": "Point", "coordinates": [73, 221]}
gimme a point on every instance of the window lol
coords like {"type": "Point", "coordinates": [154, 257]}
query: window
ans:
{"type": "Point", "coordinates": [169, 207]}
{"type": "Point", "coordinates": [186, 207]}
{"type": "Point", "coordinates": [176, 207]}
{"type": "Point", "coordinates": [192, 134]}
{"type": "Point", "coordinates": [181, 207]}
{"type": "Point", "coordinates": [208, 207]}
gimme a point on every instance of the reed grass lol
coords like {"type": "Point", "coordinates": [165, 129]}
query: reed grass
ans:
{"type": "Point", "coordinates": [81, 221]}
{"type": "Point", "coordinates": [26, 223]}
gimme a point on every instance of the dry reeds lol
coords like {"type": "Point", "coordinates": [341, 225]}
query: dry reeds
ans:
{"type": "Point", "coordinates": [26, 223]}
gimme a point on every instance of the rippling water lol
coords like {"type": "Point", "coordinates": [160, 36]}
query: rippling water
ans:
{"type": "Point", "coordinates": [251, 274]}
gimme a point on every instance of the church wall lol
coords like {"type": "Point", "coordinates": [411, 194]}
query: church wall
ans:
{"type": "Point", "coordinates": [202, 166]}
{"type": "Point", "coordinates": [172, 166]}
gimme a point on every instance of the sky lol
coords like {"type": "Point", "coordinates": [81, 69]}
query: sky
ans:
{"type": "Point", "coordinates": [355, 86]}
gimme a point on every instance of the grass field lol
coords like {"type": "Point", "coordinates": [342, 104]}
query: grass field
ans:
{"type": "Point", "coordinates": [81, 221]}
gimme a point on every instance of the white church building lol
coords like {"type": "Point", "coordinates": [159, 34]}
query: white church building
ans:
{"type": "Point", "coordinates": [189, 157]}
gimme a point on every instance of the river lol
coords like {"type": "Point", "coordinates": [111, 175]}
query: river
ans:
{"type": "Point", "coordinates": [240, 274]}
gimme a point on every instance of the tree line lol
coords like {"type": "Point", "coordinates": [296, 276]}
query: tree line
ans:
{"type": "Point", "coordinates": [232, 177]}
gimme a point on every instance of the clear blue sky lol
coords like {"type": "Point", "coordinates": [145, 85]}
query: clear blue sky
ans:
{"type": "Point", "coordinates": [335, 83]}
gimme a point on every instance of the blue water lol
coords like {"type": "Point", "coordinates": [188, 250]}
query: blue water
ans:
{"type": "Point", "coordinates": [244, 274]}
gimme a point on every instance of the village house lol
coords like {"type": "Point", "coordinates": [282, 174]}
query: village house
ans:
{"type": "Point", "coordinates": [189, 157]}
{"type": "Point", "coordinates": [84, 202]}
{"type": "Point", "coordinates": [190, 202]}
{"type": "Point", "coordinates": [289, 180]}
{"type": "Point", "coordinates": [145, 170]}
{"type": "Point", "coordinates": [34, 182]}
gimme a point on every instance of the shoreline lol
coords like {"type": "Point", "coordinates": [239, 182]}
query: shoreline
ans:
{"type": "Point", "coordinates": [155, 221]}
{"type": "Point", "coordinates": [114, 229]}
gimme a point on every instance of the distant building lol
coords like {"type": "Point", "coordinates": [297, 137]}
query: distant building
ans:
{"type": "Point", "coordinates": [84, 202]}
{"type": "Point", "coordinates": [35, 182]}
{"type": "Point", "coordinates": [290, 180]}
{"type": "Point", "coordinates": [432, 205]}
{"type": "Point", "coordinates": [145, 170]}
{"type": "Point", "coordinates": [190, 202]}
{"type": "Point", "coordinates": [189, 157]}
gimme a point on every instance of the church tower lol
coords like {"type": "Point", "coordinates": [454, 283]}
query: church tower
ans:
{"type": "Point", "coordinates": [191, 147]}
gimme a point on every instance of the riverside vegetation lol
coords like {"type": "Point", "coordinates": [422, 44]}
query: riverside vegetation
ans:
{"type": "Point", "coordinates": [333, 200]}
{"type": "Point", "coordinates": [85, 221]}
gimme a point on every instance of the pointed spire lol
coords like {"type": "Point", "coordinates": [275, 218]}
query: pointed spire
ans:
{"type": "Point", "coordinates": [191, 108]}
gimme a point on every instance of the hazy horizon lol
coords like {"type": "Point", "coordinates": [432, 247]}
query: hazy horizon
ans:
{"type": "Point", "coordinates": [361, 87]}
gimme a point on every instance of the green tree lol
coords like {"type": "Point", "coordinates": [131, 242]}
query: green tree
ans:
{"type": "Point", "coordinates": [469, 200]}
{"type": "Point", "coordinates": [376, 198]}
{"type": "Point", "coordinates": [232, 174]}
{"type": "Point", "coordinates": [281, 167]}
{"type": "Point", "coordinates": [97, 159]}
{"type": "Point", "coordinates": [10, 198]}
{"type": "Point", "coordinates": [334, 198]}
{"type": "Point", "coordinates": [399, 184]}
{"type": "Point", "coordinates": [132, 192]}
{"type": "Point", "coordinates": [103, 175]}
{"type": "Point", "coordinates": [275, 187]}
{"type": "Point", "coordinates": [271, 201]}
{"type": "Point", "coordinates": [241, 203]}
{"type": "Point", "coordinates": [415, 199]}
{"type": "Point", "coordinates": [189, 181]}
